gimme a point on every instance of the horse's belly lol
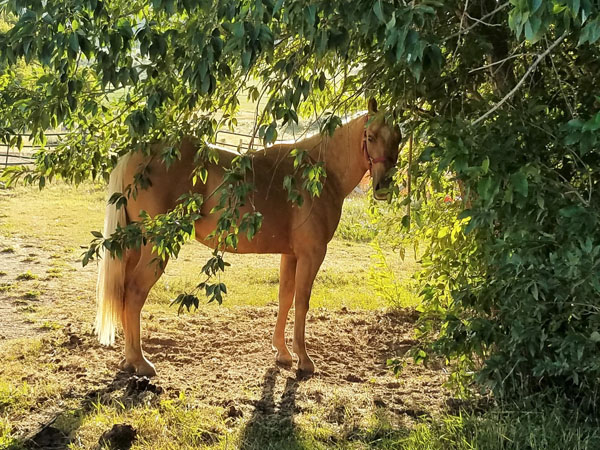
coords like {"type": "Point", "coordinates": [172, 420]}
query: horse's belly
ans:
{"type": "Point", "coordinates": [271, 238]}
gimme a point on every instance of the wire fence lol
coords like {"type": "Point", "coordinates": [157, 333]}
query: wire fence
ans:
{"type": "Point", "coordinates": [12, 156]}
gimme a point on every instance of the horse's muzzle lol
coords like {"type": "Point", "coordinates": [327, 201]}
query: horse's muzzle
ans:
{"type": "Point", "coordinates": [380, 191]}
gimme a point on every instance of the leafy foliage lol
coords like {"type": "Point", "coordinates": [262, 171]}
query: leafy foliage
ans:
{"type": "Point", "coordinates": [312, 175]}
{"type": "Point", "coordinates": [510, 277]}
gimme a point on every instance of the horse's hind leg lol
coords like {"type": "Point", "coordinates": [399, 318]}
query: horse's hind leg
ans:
{"type": "Point", "coordinates": [132, 257]}
{"type": "Point", "coordinates": [287, 275]}
{"type": "Point", "coordinates": [309, 263]}
{"type": "Point", "coordinates": [139, 279]}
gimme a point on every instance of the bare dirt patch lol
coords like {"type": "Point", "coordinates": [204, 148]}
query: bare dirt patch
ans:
{"type": "Point", "coordinates": [224, 359]}
{"type": "Point", "coordinates": [25, 285]}
{"type": "Point", "coordinates": [218, 356]}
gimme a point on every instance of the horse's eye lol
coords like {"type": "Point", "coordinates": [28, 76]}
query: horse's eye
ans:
{"type": "Point", "coordinates": [370, 138]}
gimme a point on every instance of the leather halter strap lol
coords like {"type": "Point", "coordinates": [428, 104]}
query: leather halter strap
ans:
{"type": "Point", "coordinates": [370, 160]}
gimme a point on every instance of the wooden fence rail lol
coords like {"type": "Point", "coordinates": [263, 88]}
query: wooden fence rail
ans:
{"type": "Point", "coordinates": [12, 156]}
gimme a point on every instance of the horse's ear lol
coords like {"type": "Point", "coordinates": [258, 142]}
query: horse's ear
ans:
{"type": "Point", "coordinates": [372, 106]}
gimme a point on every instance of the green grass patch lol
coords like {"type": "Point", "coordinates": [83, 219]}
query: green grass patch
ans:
{"type": "Point", "coordinates": [161, 424]}
{"type": "Point", "coordinates": [7, 250]}
{"type": "Point", "coordinates": [7, 439]}
{"type": "Point", "coordinates": [60, 214]}
{"type": "Point", "coordinates": [11, 394]}
{"type": "Point", "coordinates": [534, 424]}
{"type": "Point", "coordinates": [26, 276]}
{"type": "Point", "coordinates": [54, 272]}
{"type": "Point", "coordinates": [355, 224]}
{"type": "Point", "coordinates": [3, 273]}
{"type": "Point", "coordinates": [32, 295]}
{"type": "Point", "coordinates": [5, 287]}
{"type": "Point", "coordinates": [50, 325]}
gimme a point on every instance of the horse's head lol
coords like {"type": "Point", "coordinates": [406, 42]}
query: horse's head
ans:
{"type": "Point", "coordinates": [381, 146]}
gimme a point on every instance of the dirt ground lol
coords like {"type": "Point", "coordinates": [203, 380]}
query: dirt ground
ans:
{"type": "Point", "coordinates": [223, 355]}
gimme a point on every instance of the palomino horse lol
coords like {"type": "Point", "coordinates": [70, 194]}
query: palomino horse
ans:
{"type": "Point", "coordinates": [299, 234]}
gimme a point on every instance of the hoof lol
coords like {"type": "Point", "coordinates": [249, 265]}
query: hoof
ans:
{"type": "Point", "coordinates": [284, 359]}
{"type": "Point", "coordinates": [304, 374]}
{"type": "Point", "coordinates": [126, 366]}
{"type": "Point", "coordinates": [143, 368]}
{"type": "Point", "coordinates": [305, 370]}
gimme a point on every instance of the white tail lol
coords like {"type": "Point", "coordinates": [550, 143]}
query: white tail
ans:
{"type": "Point", "coordinates": [111, 273]}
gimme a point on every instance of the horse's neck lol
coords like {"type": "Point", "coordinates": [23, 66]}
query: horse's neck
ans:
{"type": "Point", "coordinates": [343, 156]}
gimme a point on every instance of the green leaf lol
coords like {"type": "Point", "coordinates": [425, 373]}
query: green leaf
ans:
{"type": "Point", "coordinates": [485, 165]}
{"type": "Point", "coordinates": [238, 30]}
{"type": "Point", "coordinates": [309, 14]}
{"type": "Point", "coordinates": [378, 11]}
{"type": "Point", "coordinates": [73, 42]}
{"type": "Point", "coordinates": [271, 133]}
{"type": "Point", "coordinates": [246, 55]}
{"type": "Point", "coordinates": [519, 183]}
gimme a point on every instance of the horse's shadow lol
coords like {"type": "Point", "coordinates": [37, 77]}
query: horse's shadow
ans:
{"type": "Point", "coordinates": [49, 437]}
{"type": "Point", "coordinates": [271, 418]}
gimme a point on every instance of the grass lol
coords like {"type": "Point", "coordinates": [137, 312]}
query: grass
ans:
{"type": "Point", "coordinates": [54, 272]}
{"type": "Point", "coordinates": [5, 287]}
{"type": "Point", "coordinates": [355, 224]}
{"type": "Point", "coordinates": [26, 276]}
{"type": "Point", "coordinates": [32, 295]}
{"type": "Point", "coordinates": [59, 215]}
{"type": "Point", "coordinates": [184, 423]}
{"type": "Point", "coordinates": [50, 325]}
{"type": "Point", "coordinates": [543, 421]}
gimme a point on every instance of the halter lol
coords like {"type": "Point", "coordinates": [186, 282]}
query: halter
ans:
{"type": "Point", "coordinates": [370, 160]}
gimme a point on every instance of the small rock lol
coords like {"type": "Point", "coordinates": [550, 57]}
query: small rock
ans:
{"type": "Point", "coordinates": [119, 437]}
{"type": "Point", "coordinates": [74, 341]}
{"type": "Point", "coordinates": [49, 437]}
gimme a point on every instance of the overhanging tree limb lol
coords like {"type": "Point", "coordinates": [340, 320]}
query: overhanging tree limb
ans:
{"type": "Point", "coordinates": [477, 22]}
{"type": "Point", "coordinates": [521, 81]}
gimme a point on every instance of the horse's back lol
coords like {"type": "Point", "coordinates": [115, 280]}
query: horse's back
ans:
{"type": "Point", "coordinates": [285, 226]}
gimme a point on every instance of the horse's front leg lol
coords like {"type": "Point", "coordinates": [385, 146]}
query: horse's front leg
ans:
{"type": "Point", "coordinates": [287, 275]}
{"type": "Point", "coordinates": [307, 267]}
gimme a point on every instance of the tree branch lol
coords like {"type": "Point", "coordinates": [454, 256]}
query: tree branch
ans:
{"type": "Point", "coordinates": [521, 81]}
{"type": "Point", "coordinates": [478, 21]}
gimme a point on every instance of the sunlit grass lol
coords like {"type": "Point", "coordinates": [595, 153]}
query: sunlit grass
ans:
{"type": "Point", "coordinates": [62, 216]}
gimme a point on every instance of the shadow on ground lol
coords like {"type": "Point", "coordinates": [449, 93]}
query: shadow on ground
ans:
{"type": "Point", "coordinates": [57, 432]}
{"type": "Point", "coordinates": [273, 417]}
